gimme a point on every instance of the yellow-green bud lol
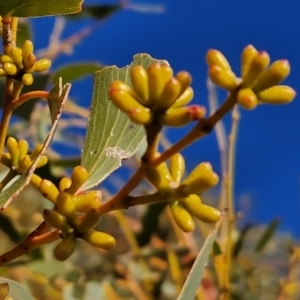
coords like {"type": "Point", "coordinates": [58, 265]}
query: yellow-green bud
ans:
{"type": "Point", "coordinates": [139, 80]}
{"type": "Point", "coordinates": [41, 65]}
{"type": "Point", "coordinates": [199, 180]}
{"type": "Point", "coordinates": [278, 94]}
{"type": "Point", "coordinates": [177, 167]}
{"type": "Point", "coordinates": [248, 55]}
{"type": "Point", "coordinates": [10, 69]}
{"type": "Point", "coordinates": [65, 248]}
{"type": "Point", "coordinates": [27, 79]}
{"type": "Point", "coordinates": [56, 220]}
{"type": "Point", "coordinates": [274, 75]}
{"type": "Point", "coordinates": [99, 239]}
{"type": "Point", "coordinates": [66, 206]}
{"type": "Point", "coordinates": [216, 58]}
{"type": "Point", "coordinates": [182, 217]}
{"type": "Point", "coordinates": [247, 99]}
{"type": "Point", "coordinates": [13, 149]}
{"type": "Point", "coordinates": [203, 212]}
{"type": "Point", "coordinates": [184, 99]}
{"type": "Point", "coordinates": [223, 78]}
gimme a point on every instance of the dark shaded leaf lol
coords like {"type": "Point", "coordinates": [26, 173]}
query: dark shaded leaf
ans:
{"type": "Point", "coordinates": [76, 71]}
{"type": "Point", "coordinates": [266, 236]}
{"type": "Point", "coordinates": [38, 8]}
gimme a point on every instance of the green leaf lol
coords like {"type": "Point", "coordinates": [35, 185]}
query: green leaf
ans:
{"type": "Point", "coordinates": [111, 136]}
{"type": "Point", "coordinates": [266, 235]}
{"type": "Point", "coordinates": [24, 31]}
{"type": "Point", "coordinates": [39, 8]}
{"type": "Point", "coordinates": [16, 291]}
{"type": "Point", "coordinates": [9, 194]}
{"type": "Point", "coordinates": [193, 280]}
{"type": "Point", "coordinates": [97, 11]}
{"type": "Point", "coordinates": [76, 71]}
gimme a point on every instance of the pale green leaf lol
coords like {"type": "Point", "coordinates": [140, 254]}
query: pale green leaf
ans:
{"type": "Point", "coordinates": [9, 194]}
{"type": "Point", "coordinates": [193, 280]}
{"type": "Point", "coordinates": [39, 8]}
{"type": "Point", "coordinates": [16, 291]}
{"type": "Point", "coordinates": [111, 136]}
{"type": "Point", "coordinates": [76, 71]}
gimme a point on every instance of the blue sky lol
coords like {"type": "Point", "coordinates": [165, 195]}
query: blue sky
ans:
{"type": "Point", "coordinates": [268, 149]}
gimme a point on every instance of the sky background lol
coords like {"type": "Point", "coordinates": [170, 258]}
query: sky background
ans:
{"type": "Point", "coordinates": [268, 148]}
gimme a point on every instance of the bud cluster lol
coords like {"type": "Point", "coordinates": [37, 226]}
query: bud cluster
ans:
{"type": "Point", "coordinates": [182, 196]}
{"type": "Point", "coordinates": [259, 82]}
{"type": "Point", "coordinates": [156, 96]}
{"type": "Point", "coordinates": [21, 62]}
{"type": "Point", "coordinates": [65, 214]}
{"type": "Point", "coordinates": [17, 157]}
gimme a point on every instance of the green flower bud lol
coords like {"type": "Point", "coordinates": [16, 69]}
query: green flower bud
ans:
{"type": "Point", "coordinates": [65, 248]}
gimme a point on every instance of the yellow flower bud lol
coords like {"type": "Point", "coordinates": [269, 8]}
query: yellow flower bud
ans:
{"type": "Point", "coordinates": [27, 49]}
{"type": "Point", "coordinates": [56, 220]}
{"type": "Point", "coordinates": [205, 213]}
{"type": "Point", "coordinates": [90, 200]}
{"type": "Point", "coordinates": [13, 149]}
{"type": "Point", "coordinates": [65, 248]}
{"type": "Point", "coordinates": [29, 62]}
{"type": "Point", "coordinates": [275, 74]}
{"type": "Point", "coordinates": [64, 184]}
{"type": "Point", "coordinates": [177, 167]}
{"type": "Point", "coordinates": [10, 69]}
{"type": "Point", "coordinates": [41, 65]}
{"type": "Point", "coordinates": [124, 100]}
{"type": "Point", "coordinates": [23, 164]}
{"type": "Point", "coordinates": [16, 55]}
{"type": "Point", "coordinates": [2, 72]}
{"type": "Point", "coordinates": [158, 76]}
{"type": "Point", "coordinates": [161, 178]}
{"type": "Point", "coordinates": [224, 78]}
{"type": "Point", "coordinates": [49, 190]}
{"type": "Point", "coordinates": [248, 55]}
{"type": "Point", "coordinates": [278, 94]}
{"type": "Point", "coordinates": [185, 98]}
{"type": "Point", "coordinates": [79, 177]}
{"type": "Point", "coordinates": [216, 58]}
{"type": "Point", "coordinates": [168, 96]}
{"type": "Point", "coordinates": [23, 148]}
{"type": "Point", "coordinates": [200, 179]}
{"type": "Point", "coordinates": [185, 80]}
{"type": "Point", "coordinates": [139, 79]}
{"type": "Point", "coordinates": [66, 206]}
{"type": "Point", "coordinates": [120, 86]}
{"type": "Point", "coordinates": [35, 180]}
{"type": "Point", "coordinates": [5, 58]}
{"type": "Point", "coordinates": [182, 115]}
{"type": "Point", "coordinates": [36, 151]}
{"type": "Point", "coordinates": [42, 162]}
{"type": "Point", "coordinates": [90, 220]}
{"type": "Point", "coordinates": [246, 98]}
{"type": "Point", "coordinates": [141, 115]}
{"type": "Point", "coordinates": [27, 79]}
{"type": "Point", "coordinates": [99, 239]}
{"type": "Point", "coordinates": [258, 64]}
{"type": "Point", "coordinates": [182, 217]}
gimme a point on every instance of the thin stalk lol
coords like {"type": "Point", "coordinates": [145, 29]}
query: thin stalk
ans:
{"type": "Point", "coordinates": [228, 244]}
{"type": "Point", "coordinates": [29, 96]}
